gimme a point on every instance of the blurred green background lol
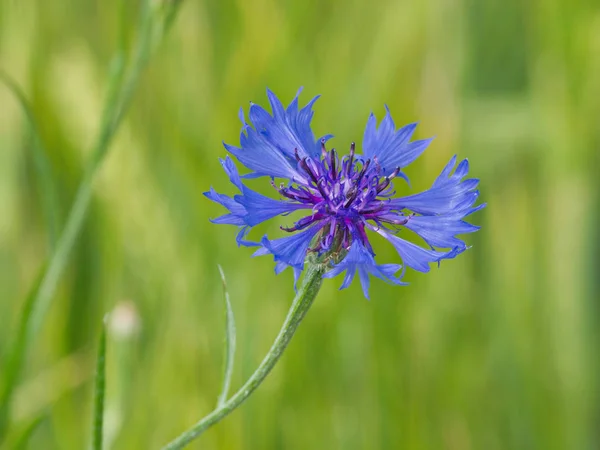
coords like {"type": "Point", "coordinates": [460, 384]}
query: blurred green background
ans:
{"type": "Point", "coordinates": [496, 350]}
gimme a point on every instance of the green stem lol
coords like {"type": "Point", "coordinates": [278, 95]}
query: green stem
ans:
{"type": "Point", "coordinates": [304, 299]}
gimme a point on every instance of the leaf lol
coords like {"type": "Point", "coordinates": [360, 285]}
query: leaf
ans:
{"type": "Point", "coordinates": [99, 391]}
{"type": "Point", "coordinates": [229, 343]}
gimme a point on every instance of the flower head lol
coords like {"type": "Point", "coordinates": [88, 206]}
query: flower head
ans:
{"type": "Point", "coordinates": [343, 197]}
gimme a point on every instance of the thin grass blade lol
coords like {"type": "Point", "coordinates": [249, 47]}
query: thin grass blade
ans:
{"type": "Point", "coordinates": [13, 362]}
{"type": "Point", "coordinates": [123, 82]}
{"type": "Point", "coordinates": [229, 343]}
{"type": "Point", "coordinates": [19, 438]}
{"type": "Point", "coordinates": [99, 392]}
{"type": "Point", "coordinates": [48, 189]}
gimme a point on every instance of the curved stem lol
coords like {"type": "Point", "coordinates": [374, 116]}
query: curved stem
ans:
{"type": "Point", "coordinates": [304, 299]}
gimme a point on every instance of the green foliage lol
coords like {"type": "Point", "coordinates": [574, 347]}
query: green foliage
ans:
{"type": "Point", "coordinates": [495, 350]}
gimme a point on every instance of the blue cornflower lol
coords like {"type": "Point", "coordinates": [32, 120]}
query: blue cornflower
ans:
{"type": "Point", "coordinates": [343, 197]}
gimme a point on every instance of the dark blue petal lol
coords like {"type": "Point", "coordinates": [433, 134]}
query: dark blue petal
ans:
{"type": "Point", "coordinates": [360, 259]}
{"type": "Point", "coordinates": [391, 148]}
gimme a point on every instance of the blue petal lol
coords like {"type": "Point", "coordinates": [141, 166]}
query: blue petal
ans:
{"type": "Point", "coordinates": [260, 208]}
{"type": "Point", "coordinates": [237, 211]}
{"type": "Point", "coordinates": [290, 250]}
{"type": "Point", "coordinates": [261, 158]}
{"type": "Point", "coordinates": [360, 259]}
{"type": "Point", "coordinates": [440, 231]}
{"type": "Point", "coordinates": [248, 209]}
{"type": "Point", "coordinates": [268, 148]}
{"type": "Point", "coordinates": [413, 256]}
{"type": "Point", "coordinates": [391, 148]}
{"type": "Point", "coordinates": [231, 172]}
{"type": "Point", "coordinates": [293, 126]}
{"type": "Point", "coordinates": [240, 238]}
{"type": "Point", "coordinates": [447, 195]}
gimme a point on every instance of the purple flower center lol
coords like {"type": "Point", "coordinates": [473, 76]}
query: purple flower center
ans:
{"type": "Point", "coordinates": [343, 195]}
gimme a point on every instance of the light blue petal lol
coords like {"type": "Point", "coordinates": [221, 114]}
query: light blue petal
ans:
{"type": "Point", "coordinates": [360, 259]}
{"type": "Point", "coordinates": [248, 208]}
{"type": "Point", "coordinates": [263, 159]}
{"type": "Point", "coordinates": [413, 256]}
{"type": "Point", "coordinates": [269, 146]}
{"type": "Point", "coordinates": [291, 249]}
{"type": "Point", "coordinates": [231, 171]}
{"type": "Point", "coordinates": [440, 231]}
{"type": "Point", "coordinates": [260, 208]}
{"type": "Point", "coordinates": [448, 194]}
{"type": "Point", "coordinates": [240, 238]}
{"type": "Point", "coordinates": [391, 147]}
{"type": "Point", "coordinates": [237, 211]}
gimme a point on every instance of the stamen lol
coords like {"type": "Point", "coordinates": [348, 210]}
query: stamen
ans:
{"type": "Point", "coordinates": [350, 161]}
{"type": "Point", "coordinates": [387, 180]}
{"type": "Point", "coordinates": [354, 190]}
{"type": "Point", "coordinates": [377, 165]}
{"type": "Point", "coordinates": [333, 158]}
{"type": "Point", "coordinates": [363, 171]}
{"type": "Point", "coordinates": [307, 169]}
{"type": "Point", "coordinates": [313, 176]}
{"type": "Point", "coordinates": [351, 196]}
{"type": "Point", "coordinates": [302, 223]}
{"type": "Point", "coordinates": [374, 210]}
{"type": "Point", "coordinates": [283, 191]}
{"type": "Point", "coordinates": [394, 174]}
{"type": "Point", "coordinates": [345, 239]}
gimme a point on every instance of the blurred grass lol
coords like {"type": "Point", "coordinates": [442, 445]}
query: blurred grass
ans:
{"type": "Point", "coordinates": [497, 350]}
